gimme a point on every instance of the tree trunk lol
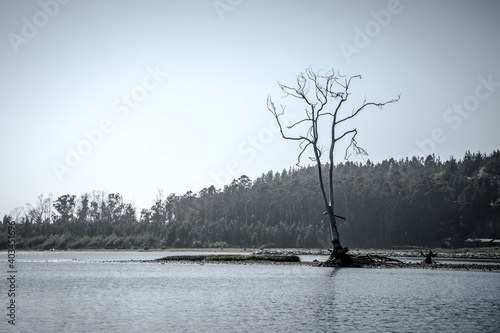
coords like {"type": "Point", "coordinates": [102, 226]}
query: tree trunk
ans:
{"type": "Point", "coordinates": [326, 88]}
{"type": "Point", "coordinates": [338, 250]}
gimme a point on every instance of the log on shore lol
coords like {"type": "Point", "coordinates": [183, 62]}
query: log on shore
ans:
{"type": "Point", "coordinates": [231, 258]}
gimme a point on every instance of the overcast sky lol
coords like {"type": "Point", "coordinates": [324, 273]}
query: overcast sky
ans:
{"type": "Point", "coordinates": [136, 96]}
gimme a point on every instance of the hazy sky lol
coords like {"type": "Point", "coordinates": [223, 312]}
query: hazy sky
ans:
{"type": "Point", "coordinates": [136, 96]}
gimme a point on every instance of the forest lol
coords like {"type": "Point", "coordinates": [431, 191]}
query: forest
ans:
{"type": "Point", "coordinates": [411, 202]}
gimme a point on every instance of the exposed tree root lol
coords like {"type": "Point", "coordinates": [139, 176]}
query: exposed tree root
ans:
{"type": "Point", "coordinates": [346, 260]}
{"type": "Point", "coordinates": [428, 257]}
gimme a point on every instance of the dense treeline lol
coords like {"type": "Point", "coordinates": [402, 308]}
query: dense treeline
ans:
{"type": "Point", "coordinates": [410, 202]}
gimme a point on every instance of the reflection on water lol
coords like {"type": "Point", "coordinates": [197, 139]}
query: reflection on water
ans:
{"type": "Point", "coordinates": [82, 296]}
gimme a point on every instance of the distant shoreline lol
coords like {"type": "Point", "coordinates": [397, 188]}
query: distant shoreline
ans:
{"type": "Point", "coordinates": [241, 256]}
{"type": "Point", "coordinates": [462, 253]}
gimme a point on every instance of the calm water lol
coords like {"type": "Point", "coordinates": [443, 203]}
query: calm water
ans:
{"type": "Point", "coordinates": [78, 292]}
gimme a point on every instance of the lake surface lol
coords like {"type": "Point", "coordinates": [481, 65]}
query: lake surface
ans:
{"type": "Point", "coordinates": [82, 292]}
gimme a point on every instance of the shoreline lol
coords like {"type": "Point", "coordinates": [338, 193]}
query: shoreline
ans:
{"type": "Point", "coordinates": [462, 253]}
{"type": "Point", "coordinates": [289, 257]}
{"type": "Point", "coordinates": [465, 253]}
{"type": "Point", "coordinates": [477, 253]}
{"type": "Point", "coordinates": [437, 266]}
{"type": "Point", "coordinates": [294, 260]}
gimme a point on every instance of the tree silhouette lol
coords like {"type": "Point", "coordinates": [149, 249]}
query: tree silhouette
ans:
{"type": "Point", "coordinates": [320, 120]}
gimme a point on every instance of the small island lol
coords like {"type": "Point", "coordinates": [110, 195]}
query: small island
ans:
{"type": "Point", "coordinates": [361, 259]}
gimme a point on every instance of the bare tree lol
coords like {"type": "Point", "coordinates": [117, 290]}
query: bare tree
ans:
{"type": "Point", "coordinates": [324, 95]}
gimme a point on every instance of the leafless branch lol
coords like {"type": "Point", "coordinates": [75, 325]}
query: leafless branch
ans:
{"type": "Point", "coordinates": [303, 149]}
{"type": "Point", "coordinates": [357, 150]}
{"type": "Point", "coordinates": [298, 122]}
{"type": "Point", "coordinates": [271, 107]}
{"type": "Point", "coordinates": [365, 105]}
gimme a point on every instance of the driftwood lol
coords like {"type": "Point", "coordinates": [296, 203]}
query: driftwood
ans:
{"type": "Point", "coordinates": [231, 258]}
{"type": "Point", "coordinates": [367, 260]}
{"type": "Point", "coordinates": [428, 257]}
